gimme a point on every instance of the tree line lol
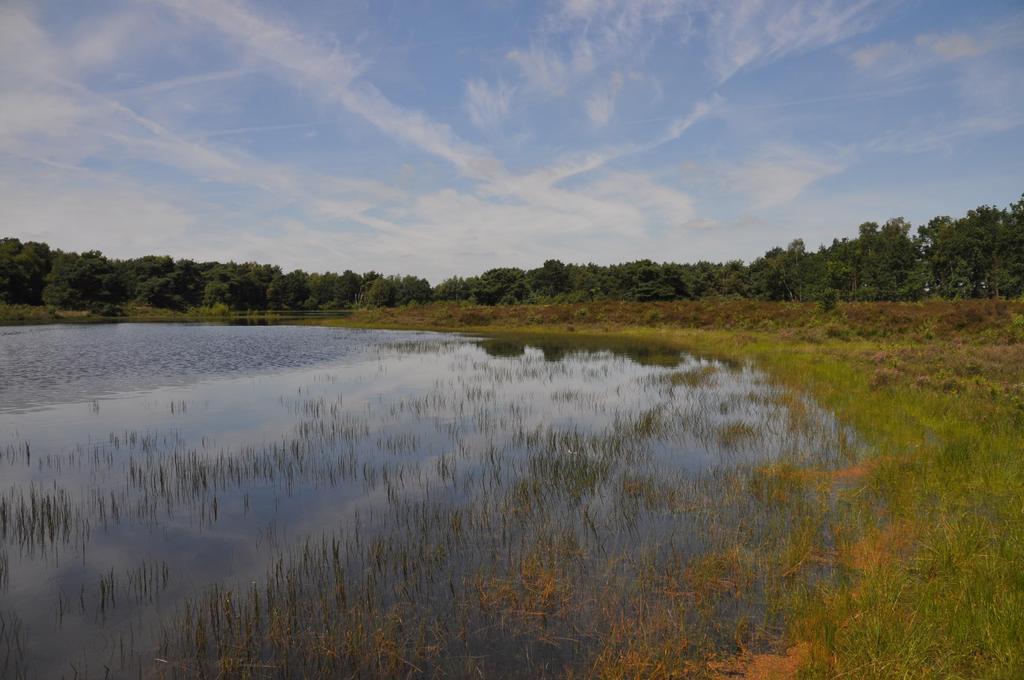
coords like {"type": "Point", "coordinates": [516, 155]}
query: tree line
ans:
{"type": "Point", "coordinates": [979, 255]}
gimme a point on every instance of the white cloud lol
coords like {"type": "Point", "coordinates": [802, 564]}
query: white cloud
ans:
{"type": "Point", "coordinates": [26, 52]}
{"type": "Point", "coordinates": [73, 212]}
{"type": "Point", "coordinates": [586, 9]}
{"type": "Point", "coordinates": [599, 107]}
{"type": "Point", "coordinates": [779, 174]}
{"type": "Point", "coordinates": [604, 38]}
{"type": "Point", "coordinates": [98, 42]}
{"type": "Point", "coordinates": [333, 74]}
{"type": "Point", "coordinates": [274, 42]}
{"type": "Point", "coordinates": [282, 47]}
{"type": "Point", "coordinates": [665, 205]}
{"type": "Point", "coordinates": [951, 47]}
{"type": "Point", "coordinates": [978, 69]}
{"type": "Point", "coordinates": [544, 70]}
{"type": "Point", "coordinates": [570, 205]}
{"type": "Point", "coordinates": [872, 55]}
{"type": "Point", "coordinates": [751, 32]}
{"type": "Point", "coordinates": [617, 25]}
{"type": "Point", "coordinates": [187, 81]}
{"type": "Point", "coordinates": [28, 112]}
{"type": "Point", "coordinates": [928, 50]}
{"type": "Point", "coordinates": [601, 104]}
{"type": "Point", "coordinates": [617, 35]}
{"type": "Point", "coordinates": [618, 215]}
{"type": "Point", "coordinates": [487, 105]}
{"type": "Point", "coordinates": [943, 135]}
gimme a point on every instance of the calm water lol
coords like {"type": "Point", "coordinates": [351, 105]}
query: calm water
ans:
{"type": "Point", "coordinates": [140, 465]}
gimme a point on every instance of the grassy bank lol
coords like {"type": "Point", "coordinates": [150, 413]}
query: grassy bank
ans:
{"type": "Point", "coordinates": [26, 314]}
{"type": "Point", "coordinates": [931, 540]}
{"type": "Point", "coordinates": [33, 314]}
{"type": "Point", "coordinates": [987, 320]}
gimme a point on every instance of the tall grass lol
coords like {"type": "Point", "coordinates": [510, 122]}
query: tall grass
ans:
{"type": "Point", "coordinates": [934, 528]}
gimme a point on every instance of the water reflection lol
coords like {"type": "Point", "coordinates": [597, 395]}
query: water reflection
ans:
{"type": "Point", "coordinates": [557, 348]}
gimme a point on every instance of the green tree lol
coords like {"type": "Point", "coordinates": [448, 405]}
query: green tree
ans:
{"type": "Point", "coordinates": [412, 289]}
{"type": "Point", "coordinates": [161, 282]}
{"type": "Point", "coordinates": [734, 279]}
{"type": "Point", "coordinates": [382, 292]}
{"type": "Point", "coordinates": [454, 288]}
{"type": "Point", "coordinates": [1008, 270]}
{"type": "Point", "coordinates": [777, 275]}
{"type": "Point", "coordinates": [23, 271]}
{"type": "Point", "coordinates": [503, 285]}
{"type": "Point", "coordinates": [886, 259]}
{"type": "Point", "coordinates": [288, 291]}
{"type": "Point", "coordinates": [86, 281]}
{"type": "Point", "coordinates": [549, 280]}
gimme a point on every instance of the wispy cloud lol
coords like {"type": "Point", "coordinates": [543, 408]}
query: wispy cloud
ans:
{"type": "Point", "coordinates": [178, 126]}
{"type": "Point", "coordinates": [942, 136]}
{"type": "Point", "coordinates": [332, 73]}
{"type": "Point", "coordinates": [487, 105]}
{"type": "Point", "coordinates": [927, 50]}
{"type": "Point", "coordinates": [601, 104]}
{"type": "Point", "coordinates": [778, 174]}
{"type": "Point", "coordinates": [186, 81]}
{"type": "Point", "coordinates": [546, 70]}
{"type": "Point", "coordinates": [977, 72]}
{"type": "Point", "coordinates": [504, 209]}
{"type": "Point", "coordinates": [951, 46]}
{"type": "Point", "coordinates": [754, 32]}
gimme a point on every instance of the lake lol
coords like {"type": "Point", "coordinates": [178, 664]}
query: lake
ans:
{"type": "Point", "coordinates": [188, 500]}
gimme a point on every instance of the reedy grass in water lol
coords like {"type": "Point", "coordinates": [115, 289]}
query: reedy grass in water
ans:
{"type": "Point", "coordinates": [561, 541]}
{"type": "Point", "coordinates": [559, 500]}
{"type": "Point", "coordinates": [929, 537]}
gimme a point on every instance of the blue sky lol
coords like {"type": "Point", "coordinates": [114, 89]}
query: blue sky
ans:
{"type": "Point", "coordinates": [445, 138]}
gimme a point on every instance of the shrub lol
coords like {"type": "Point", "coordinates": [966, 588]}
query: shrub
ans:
{"type": "Point", "coordinates": [828, 299]}
{"type": "Point", "coordinates": [216, 309]}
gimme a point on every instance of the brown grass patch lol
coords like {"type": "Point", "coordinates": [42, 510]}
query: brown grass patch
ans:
{"type": "Point", "coordinates": [715, 574]}
{"type": "Point", "coordinates": [882, 546]}
{"type": "Point", "coordinates": [923, 320]}
{"type": "Point", "coordinates": [859, 471]}
{"type": "Point", "coordinates": [764, 666]}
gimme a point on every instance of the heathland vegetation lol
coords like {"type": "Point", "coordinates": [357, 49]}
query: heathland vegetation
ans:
{"type": "Point", "coordinates": [978, 255]}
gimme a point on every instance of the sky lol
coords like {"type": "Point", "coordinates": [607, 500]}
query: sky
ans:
{"type": "Point", "coordinates": [446, 138]}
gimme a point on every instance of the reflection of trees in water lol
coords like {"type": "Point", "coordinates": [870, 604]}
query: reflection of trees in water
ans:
{"type": "Point", "coordinates": [557, 349]}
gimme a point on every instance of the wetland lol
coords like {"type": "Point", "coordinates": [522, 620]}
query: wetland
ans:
{"type": "Point", "coordinates": [202, 500]}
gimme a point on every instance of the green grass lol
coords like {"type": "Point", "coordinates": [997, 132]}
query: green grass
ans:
{"type": "Point", "coordinates": [949, 602]}
{"type": "Point", "coordinates": [25, 314]}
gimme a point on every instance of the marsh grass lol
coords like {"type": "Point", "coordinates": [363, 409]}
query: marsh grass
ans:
{"type": "Point", "coordinates": [926, 536]}
{"type": "Point", "coordinates": [700, 376]}
{"type": "Point", "coordinates": [12, 646]}
{"type": "Point", "coordinates": [546, 510]}
{"type": "Point", "coordinates": [528, 569]}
